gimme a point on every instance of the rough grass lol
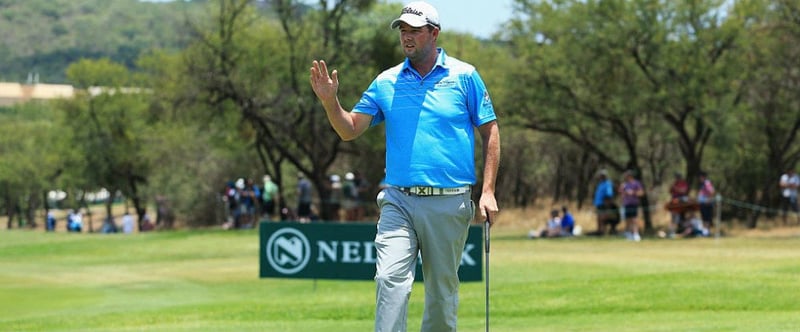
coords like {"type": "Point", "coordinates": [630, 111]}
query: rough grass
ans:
{"type": "Point", "coordinates": [208, 281]}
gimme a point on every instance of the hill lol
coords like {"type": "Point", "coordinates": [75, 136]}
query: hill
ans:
{"type": "Point", "coordinates": [44, 36]}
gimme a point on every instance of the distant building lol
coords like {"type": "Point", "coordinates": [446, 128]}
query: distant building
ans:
{"type": "Point", "coordinates": [13, 93]}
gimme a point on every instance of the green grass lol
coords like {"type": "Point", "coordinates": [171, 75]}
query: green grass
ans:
{"type": "Point", "coordinates": [208, 281]}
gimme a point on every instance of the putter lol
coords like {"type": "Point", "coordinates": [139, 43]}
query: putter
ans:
{"type": "Point", "coordinates": [486, 226]}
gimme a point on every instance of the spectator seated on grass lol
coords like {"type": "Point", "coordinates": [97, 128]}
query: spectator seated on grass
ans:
{"type": "Point", "coordinates": [556, 227]}
{"type": "Point", "coordinates": [693, 226]}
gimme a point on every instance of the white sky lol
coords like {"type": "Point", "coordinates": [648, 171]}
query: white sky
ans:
{"type": "Point", "coordinates": [479, 17]}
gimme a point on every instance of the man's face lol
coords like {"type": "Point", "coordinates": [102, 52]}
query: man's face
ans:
{"type": "Point", "coordinates": [418, 43]}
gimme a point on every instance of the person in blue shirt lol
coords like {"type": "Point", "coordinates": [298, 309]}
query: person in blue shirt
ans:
{"type": "Point", "coordinates": [51, 222]}
{"type": "Point", "coordinates": [430, 105]}
{"type": "Point", "coordinates": [567, 222]}
{"type": "Point", "coordinates": [603, 192]}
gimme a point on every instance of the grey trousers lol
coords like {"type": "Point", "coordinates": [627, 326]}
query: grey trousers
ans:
{"type": "Point", "coordinates": [435, 227]}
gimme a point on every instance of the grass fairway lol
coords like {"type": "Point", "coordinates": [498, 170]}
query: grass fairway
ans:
{"type": "Point", "coordinates": [208, 281]}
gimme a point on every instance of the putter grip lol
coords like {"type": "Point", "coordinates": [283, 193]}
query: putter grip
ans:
{"type": "Point", "coordinates": [486, 226]}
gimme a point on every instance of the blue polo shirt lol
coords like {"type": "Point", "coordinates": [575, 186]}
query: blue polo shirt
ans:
{"type": "Point", "coordinates": [604, 189]}
{"type": "Point", "coordinates": [429, 121]}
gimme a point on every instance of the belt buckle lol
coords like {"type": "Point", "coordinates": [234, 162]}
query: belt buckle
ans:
{"type": "Point", "coordinates": [424, 191]}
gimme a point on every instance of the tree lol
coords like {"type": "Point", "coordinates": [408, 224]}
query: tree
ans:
{"type": "Point", "coordinates": [31, 159]}
{"type": "Point", "coordinates": [685, 53]}
{"type": "Point", "coordinates": [577, 83]}
{"type": "Point", "coordinates": [256, 67]}
{"type": "Point", "coordinates": [608, 74]}
{"type": "Point", "coordinates": [108, 123]}
{"type": "Point", "coordinates": [771, 90]}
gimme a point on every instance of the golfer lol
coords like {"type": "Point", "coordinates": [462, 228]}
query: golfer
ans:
{"type": "Point", "coordinates": [430, 104]}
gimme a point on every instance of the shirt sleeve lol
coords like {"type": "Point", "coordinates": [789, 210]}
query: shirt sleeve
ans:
{"type": "Point", "coordinates": [368, 104]}
{"type": "Point", "coordinates": [478, 102]}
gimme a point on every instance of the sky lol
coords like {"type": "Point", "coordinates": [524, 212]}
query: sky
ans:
{"type": "Point", "coordinates": [479, 17]}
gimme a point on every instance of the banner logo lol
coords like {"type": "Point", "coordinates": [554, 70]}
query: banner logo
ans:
{"type": "Point", "coordinates": [288, 251]}
{"type": "Point", "coordinates": [340, 251]}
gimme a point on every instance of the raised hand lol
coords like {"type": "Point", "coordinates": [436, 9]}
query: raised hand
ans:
{"type": "Point", "coordinates": [325, 86]}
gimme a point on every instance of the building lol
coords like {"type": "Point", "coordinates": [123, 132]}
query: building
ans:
{"type": "Point", "coordinates": [13, 93]}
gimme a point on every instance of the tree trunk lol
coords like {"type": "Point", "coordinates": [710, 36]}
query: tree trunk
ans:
{"type": "Point", "coordinates": [30, 209]}
{"type": "Point", "coordinates": [647, 213]}
{"type": "Point", "coordinates": [9, 212]}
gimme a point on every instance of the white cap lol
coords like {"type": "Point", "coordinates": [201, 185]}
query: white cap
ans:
{"type": "Point", "coordinates": [349, 176]}
{"type": "Point", "coordinates": [418, 14]}
{"type": "Point", "coordinates": [335, 178]}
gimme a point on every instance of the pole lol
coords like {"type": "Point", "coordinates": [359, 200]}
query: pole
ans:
{"type": "Point", "coordinates": [486, 236]}
{"type": "Point", "coordinates": [717, 215]}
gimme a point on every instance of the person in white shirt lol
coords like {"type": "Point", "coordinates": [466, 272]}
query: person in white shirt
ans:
{"type": "Point", "coordinates": [127, 223]}
{"type": "Point", "coordinates": [789, 184]}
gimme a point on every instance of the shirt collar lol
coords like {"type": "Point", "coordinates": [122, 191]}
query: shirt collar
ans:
{"type": "Point", "coordinates": [441, 61]}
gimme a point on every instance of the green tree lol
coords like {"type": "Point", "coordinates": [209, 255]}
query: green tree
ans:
{"type": "Point", "coordinates": [192, 151]}
{"type": "Point", "coordinates": [31, 155]}
{"type": "Point", "coordinates": [686, 53]}
{"type": "Point", "coordinates": [577, 84]}
{"type": "Point", "coordinates": [252, 65]}
{"type": "Point", "coordinates": [108, 124]}
{"type": "Point", "coordinates": [772, 57]}
{"type": "Point", "coordinates": [609, 75]}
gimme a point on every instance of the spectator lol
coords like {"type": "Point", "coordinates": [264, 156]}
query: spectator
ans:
{"type": "Point", "coordinates": [693, 226]}
{"type": "Point", "coordinates": [147, 224]}
{"type": "Point", "coordinates": [50, 222]}
{"type": "Point", "coordinates": [247, 200]}
{"type": "Point", "coordinates": [269, 197]}
{"type": "Point", "coordinates": [789, 184]}
{"type": "Point", "coordinates": [127, 223]}
{"type": "Point", "coordinates": [362, 189]}
{"type": "Point", "coordinates": [610, 217]}
{"type": "Point", "coordinates": [303, 198]}
{"type": "Point", "coordinates": [241, 208]}
{"type": "Point", "coordinates": [705, 197]}
{"type": "Point", "coordinates": [680, 188]}
{"type": "Point", "coordinates": [679, 201]}
{"type": "Point", "coordinates": [551, 229]}
{"type": "Point", "coordinates": [335, 199]}
{"type": "Point", "coordinates": [350, 197]}
{"type": "Point", "coordinates": [553, 225]}
{"type": "Point", "coordinates": [286, 213]}
{"type": "Point", "coordinates": [231, 197]}
{"type": "Point", "coordinates": [75, 221]}
{"type": "Point", "coordinates": [603, 191]}
{"type": "Point", "coordinates": [631, 190]}
{"type": "Point", "coordinates": [109, 226]}
{"type": "Point", "coordinates": [567, 223]}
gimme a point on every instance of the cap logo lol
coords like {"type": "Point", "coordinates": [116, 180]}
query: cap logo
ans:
{"type": "Point", "coordinates": [409, 10]}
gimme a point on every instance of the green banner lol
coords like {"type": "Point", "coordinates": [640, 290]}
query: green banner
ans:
{"type": "Point", "coordinates": [340, 251]}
